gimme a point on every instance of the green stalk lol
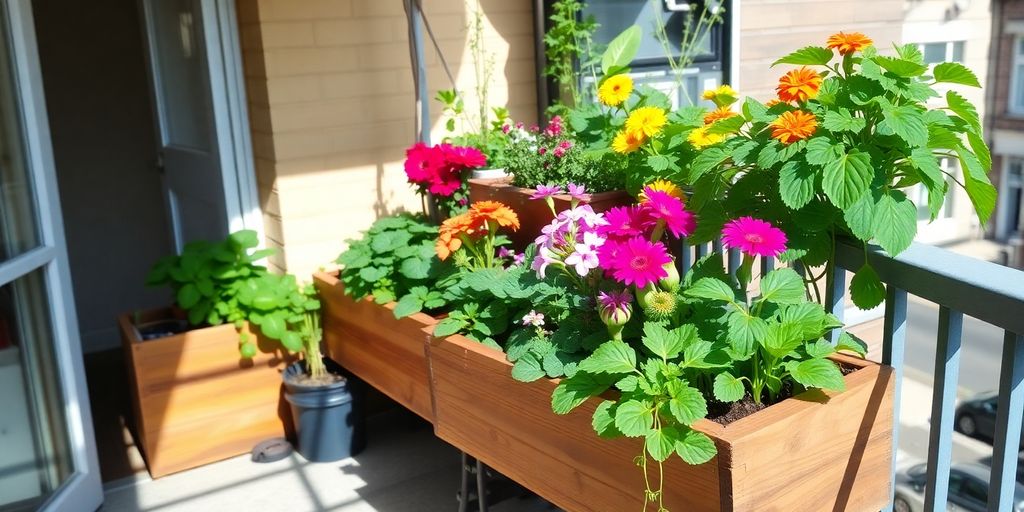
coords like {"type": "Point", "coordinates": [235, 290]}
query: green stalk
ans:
{"type": "Point", "coordinates": [314, 358]}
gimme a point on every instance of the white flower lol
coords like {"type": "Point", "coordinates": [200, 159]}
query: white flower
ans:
{"type": "Point", "coordinates": [534, 318]}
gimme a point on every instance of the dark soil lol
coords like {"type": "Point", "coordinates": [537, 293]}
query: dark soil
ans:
{"type": "Point", "coordinates": [725, 413]}
{"type": "Point", "coordinates": [305, 380]}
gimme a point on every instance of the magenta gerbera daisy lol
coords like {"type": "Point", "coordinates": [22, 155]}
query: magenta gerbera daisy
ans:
{"type": "Point", "coordinates": [623, 222]}
{"type": "Point", "coordinates": [463, 156]}
{"type": "Point", "coordinates": [754, 237]}
{"type": "Point", "coordinates": [640, 262]}
{"type": "Point", "coordinates": [422, 163]}
{"type": "Point", "coordinates": [666, 209]}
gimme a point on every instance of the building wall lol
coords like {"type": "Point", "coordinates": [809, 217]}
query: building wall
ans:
{"type": "Point", "coordinates": [331, 104]}
{"type": "Point", "coordinates": [1006, 128]}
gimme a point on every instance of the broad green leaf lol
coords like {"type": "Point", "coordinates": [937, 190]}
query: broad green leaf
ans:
{"type": "Point", "coordinates": [188, 296]}
{"type": "Point", "coordinates": [553, 363]}
{"type": "Point", "coordinates": [246, 238]}
{"type": "Point", "coordinates": [820, 348]}
{"type": "Point", "coordinates": [822, 151]}
{"type": "Point", "coordinates": [963, 108]}
{"type": "Point", "coordinates": [796, 183]}
{"type": "Point", "coordinates": [695, 447]}
{"type": "Point", "coordinates": [955, 73]}
{"type": "Point", "coordinates": [860, 217]}
{"type": "Point", "coordinates": [906, 122]}
{"type": "Point", "coordinates": [928, 165]}
{"type": "Point", "coordinates": [527, 368]}
{"type": "Point", "coordinates": [818, 373]}
{"type": "Point", "coordinates": [448, 326]}
{"type": "Point", "coordinates": [726, 126]}
{"type": "Point", "coordinates": [611, 357]}
{"type": "Point", "coordinates": [706, 160]}
{"type": "Point", "coordinates": [980, 150]}
{"type": "Point", "coordinates": [728, 388]}
{"type": "Point", "coordinates": [415, 268]}
{"type": "Point", "coordinates": [372, 274]}
{"type": "Point", "coordinates": [634, 418]}
{"type": "Point", "coordinates": [782, 286]}
{"type": "Point", "coordinates": [808, 316]}
{"type": "Point", "coordinates": [658, 163]}
{"type": "Point", "coordinates": [852, 343]}
{"type": "Point", "coordinates": [274, 325]}
{"type": "Point", "coordinates": [745, 331]}
{"type": "Point", "coordinates": [661, 443]}
{"type": "Point", "coordinates": [781, 339]}
{"type": "Point", "coordinates": [976, 182]}
{"type": "Point", "coordinates": [292, 341]}
{"type": "Point", "coordinates": [711, 288]}
{"type": "Point", "coordinates": [895, 222]}
{"type": "Point", "coordinates": [910, 52]}
{"type": "Point", "coordinates": [662, 342]}
{"type": "Point", "coordinates": [756, 111]}
{"type": "Point", "coordinates": [575, 390]}
{"type": "Point", "coordinates": [688, 405]}
{"type": "Point", "coordinates": [408, 305]}
{"type": "Point", "coordinates": [604, 420]}
{"type": "Point", "coordinates": [842, 121]}
{"type": "Point", "coordinates": [900, 67]}
{"type": "Point", "coordinates": [847, 178]}
{"type": "Point", "coordinates": [622, 49]}
{"type": "Point", "coordinates": [866, 288]}
{"type": "Point", "coordinates": [807, 56]}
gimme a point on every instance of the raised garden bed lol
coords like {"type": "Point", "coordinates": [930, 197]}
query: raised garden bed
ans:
{"type": "Point", "coordinates": [816, 451]}
{"type": "Point", "coordinates": [366, 339]}
{"type": "Point", "coordinates": [195, 400]}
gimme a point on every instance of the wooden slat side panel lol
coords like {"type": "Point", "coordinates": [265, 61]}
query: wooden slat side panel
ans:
{"type": "Point", "coordinates": [818, 452]}
{"type": "Point", "coordinates": [509, 425]}
{"type": "Point", "coordinates": [367, 339]}
{"type": "Point", "coordinates": [205, 443]}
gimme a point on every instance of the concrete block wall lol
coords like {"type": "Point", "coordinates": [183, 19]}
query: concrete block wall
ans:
{"type": "Point", "coordinates": [331, 108]}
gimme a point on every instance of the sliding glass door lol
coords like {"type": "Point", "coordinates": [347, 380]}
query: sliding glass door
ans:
{"type": "Point", "coordinates": [47, 451]}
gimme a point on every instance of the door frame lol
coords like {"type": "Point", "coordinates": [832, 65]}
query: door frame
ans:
{"type": "Point", "coordinates": [83, 488]}
{"type": "Point", "coordinates": [229, 103]}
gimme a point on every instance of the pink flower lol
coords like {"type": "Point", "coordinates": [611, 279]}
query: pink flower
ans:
{"type": "Point", "coordinates": [463, 157]}
{"type": "Point", "coordinates": [578, 192]}
{"type": "Point", "coordinates": [520, 125]}
{"type": "Point", "coordinates": [543, 150]}
{"type": "Point", "coordinates": [640, 262]}
{"type": "Point", "coordinates": [546, 191]}
{"type": "Point", "coordinates": [422, 163]}
{"type": "Point", "coordinates": [615, 308]}
{"type": "Point", "coordinates": [534, 318]}
{"type": "Point", "coordinates": [662, 206]}
{"type": "Point", "coordinates": [623, 222]}
{"type": "Point", "coordinates": [554, 128]}
{"type": "Point", "coordinates": [506, 128]}
{"type": "Point", "coordinates": [559, 152]}
{"type": "Point", "coordinates": [584, 256]}
{"type": "Point", "coordinates": [446, 181]}
{"type": "Point", "coordinates": [754, 237]}
{"type": "Point", "coordinates": [544, 257]}
{"type": "Point", "coordinates": [565, 144]}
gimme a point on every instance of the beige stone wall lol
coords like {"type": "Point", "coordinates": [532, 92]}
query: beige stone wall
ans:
{"type": "Point", "coordinates": [331, 105]}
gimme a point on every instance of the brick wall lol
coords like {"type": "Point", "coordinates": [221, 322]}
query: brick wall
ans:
{"type": "Point", "coordinates": [1002, 54]}
{"type": "Point", "coordinates": [331, 107]}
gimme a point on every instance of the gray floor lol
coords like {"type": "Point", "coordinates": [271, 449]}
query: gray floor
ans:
{"type": "Point", "coordinates": [404, 469]}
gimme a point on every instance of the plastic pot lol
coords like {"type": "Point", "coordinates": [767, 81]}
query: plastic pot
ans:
{"type": "Point", "coordinates": [328, 419]}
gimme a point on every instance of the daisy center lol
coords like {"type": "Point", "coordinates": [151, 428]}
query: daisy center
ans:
{"type": "Point", "coordinates": [638, 262]}
{"type": "Point", "coordinates": [753, 238]}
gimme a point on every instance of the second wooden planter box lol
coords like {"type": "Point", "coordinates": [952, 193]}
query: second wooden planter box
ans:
{"type": "Point", "coordinates": [366, 339]}
{"type": "Point", "coordinates": [816, 451]}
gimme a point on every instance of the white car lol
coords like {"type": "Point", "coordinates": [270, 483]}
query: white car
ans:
{"type": "Point", "coordinates": [968, 489]}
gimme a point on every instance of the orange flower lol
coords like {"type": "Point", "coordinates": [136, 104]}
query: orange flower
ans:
{"type": "Point", "coordinates": [485, 211]}
{"type": "Point", "coordinates": [793, 126]}
{"type": "Point", "coordinates": [450, 234]}
{"type": "Point", "coordinates": [799, 85]}
{"type": "Point", "coordinates": [718, 115]}
{"type": "Point", "coordinates": [772, 102]}
{"type": "Point", "coordinates": [848, 43]}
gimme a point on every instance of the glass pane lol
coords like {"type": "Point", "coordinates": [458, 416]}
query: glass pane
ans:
{"type": "Point", "coordinates": [1018, 95]}
{"type": "Point", "coordinates": [934, 52]}
{"type": "Point", "coordinates": [18, 225]}
{"type": "Point", "coordinates": [958, 51]}
{"type": "Point", "coordinates": [36, 455]}
{"type": "Point", "coordinates": [181, 72]}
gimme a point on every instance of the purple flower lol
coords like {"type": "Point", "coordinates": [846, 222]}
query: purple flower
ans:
{"type": "Point", "coordinates": [578, 192]}
{"type": "Point", "coordinates": [544, 257]}
{"type": "Point", "coordinates": [519, 258]}
{"type": "Point", "coordinates": [584, 257]}
{"type": "Point", "coordinates": [546, 191]}
{"type": "Point", "coordinates": [505, 252]}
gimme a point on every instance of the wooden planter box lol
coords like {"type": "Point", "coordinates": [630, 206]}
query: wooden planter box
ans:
{"type": "Point", "coordinates": [195, 399]}
{"type": "Point", "coordinates": [535, 214]}
{"type": "Point", "coordinates": [817, 451]}
{"type": "Point", "coordinates": [366, 339]}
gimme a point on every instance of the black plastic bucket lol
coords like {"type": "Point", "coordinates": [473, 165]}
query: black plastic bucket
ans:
{"type": "Point", "coordinates": [329, 422]}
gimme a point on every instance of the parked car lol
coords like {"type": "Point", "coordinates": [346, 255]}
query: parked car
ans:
{"type": "Point", "coordinates": [968, 489]}
{"type": "Point", "coordinates": [976, 417]}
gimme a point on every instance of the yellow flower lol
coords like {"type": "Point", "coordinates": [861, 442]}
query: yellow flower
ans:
{"type": "Point", "coordinates": [700, 137]}
{"type": "Point", "coordinates": [627, 142]}
{"type": "Point", "coordinates": [646, 120]}
{"type": "Point", "coordinates": [723, 96]}
{"type": "Point", "coordinates": [664, 186]}
{"type": "Point", "coordinates": [615, 90]}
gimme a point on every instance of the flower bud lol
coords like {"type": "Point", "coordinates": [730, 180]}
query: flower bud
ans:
{"type": "Point", "coordinates": [615, 310]}
{"type": "Point", "coordinates": [659, 305]}
{"type": "Point", "coordinates": [670, 282]}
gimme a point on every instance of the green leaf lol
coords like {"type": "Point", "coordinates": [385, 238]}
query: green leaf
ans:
{"type": "Point", "coordinates": [860, 217]}
{"type": "Point", "coordinates": [842, 121]}
{"type": "Point", "coordinates": [611, 357]}
{"type": "Point", "coordinates": [622, 49]}
{"type": "Point", "coordinates": [727, 126]}
{"type": "Point", "coordinates": [448, 326]}
{"type": "Point", "coordinates": [706, 160]}
{"type": "Point", "coordinates": [976, 182]}
{"type": "Point", "coordinates": [866, 288]}
{"type": "Point", "coordinates": [818, 373]}
{"type": "Point", "coordinates": [847, 178]}
{"type": "Point", "coordinates": [711, 288]}
{"type": "Point", "coordinates": [695, 447]}
{"type": "Point", "coordinates": [188, 296]}
{"type": "Point", "coordinates": [274, 325]}
{"type": "Point", "coordinates": [900, 67]}
{"type": "Point", "coordinates": [661, 443]}
{"type": "Point", "coordinates": [852, 343]}
{"type": "Point", "coordinates": [415, 268]}
{"type": "Point", "coordinates": [408, 305]}
{"type": "Point", "coordinates": [292, 341]}
{"type": "Point", "coordinates": [796, 183]}
{"type": "Point", "coordinates": [745, 331]}
{"type": "Point", "coordinates": [980, 150]}
{"type": "Point", "coordinates": [527, 368]}
{"type": "Point", "coordinates": [781, 339]}
{"type": "Point", "coordinates": [820, 349]}
{"type": "Point", "coordinates": [372, 274]}
{"type": "Point", "coordinates": [955, 73]}
{"type": "Point", "coordinates": [906, 122]}
{"type": "Point", "coordinates": [658, 163]}
{"type": "Point", "coordinates": [245, 239]}
{"type": "Point", "coordinates": [822, 151]}
{"type": "Point", "coordinates": [807, 56]}
{"type": "Point", "coordinates": [782, 286]}
{"type": "Point", "coordinates": [662, 342]}
{"type": "Point", "coordinates": [808, 316]}
{"type": "Point", "coordinates": [895, 222]}
{"type": "Point", "coordinates": [688, 405]}
{"type": "Point", "coordinates": [728, 388]}
{"type": "Point", "coordinates": [604, 420]}
{"type": "Point", "coordinates": [756, 111]}
{"type": "Point", "coordinates": [924, 161]}
{"type": "Point", "coordinates": [634, 418]}
{"type": "Point", "coordinates": [575, 390]}
{"type": "Point", "coordinates": [963, 108]}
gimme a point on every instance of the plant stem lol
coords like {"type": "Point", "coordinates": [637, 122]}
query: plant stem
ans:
{"type": "Point", "coordinates": [314, 358]}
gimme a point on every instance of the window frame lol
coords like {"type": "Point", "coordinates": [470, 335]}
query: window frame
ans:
{"type": "Point", "coordinates": [1015, 102]}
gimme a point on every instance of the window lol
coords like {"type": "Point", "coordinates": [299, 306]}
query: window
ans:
{"type": "Point", "coordinates": [919, 193]}
{"type": "Point", "coordinates": [1016, 103]}
{"type": "Point", "coordinates": [947, 51]}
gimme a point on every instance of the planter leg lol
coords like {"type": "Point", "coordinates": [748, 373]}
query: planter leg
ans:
{"type": "Point", "coordinates": [463, 496]}
{"type": "Point", "coordinates": [481, 485]}
{"type": "Point", "coordinates": [471, 465]}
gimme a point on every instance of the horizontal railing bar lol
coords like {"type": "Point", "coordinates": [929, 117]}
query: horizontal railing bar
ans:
{"type": "Point", "coordinates": [940, 435]}
{"type": "Point", "coordinates": [986, 291]}
{"type": "Point", "coordinates": [1009, 413]}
